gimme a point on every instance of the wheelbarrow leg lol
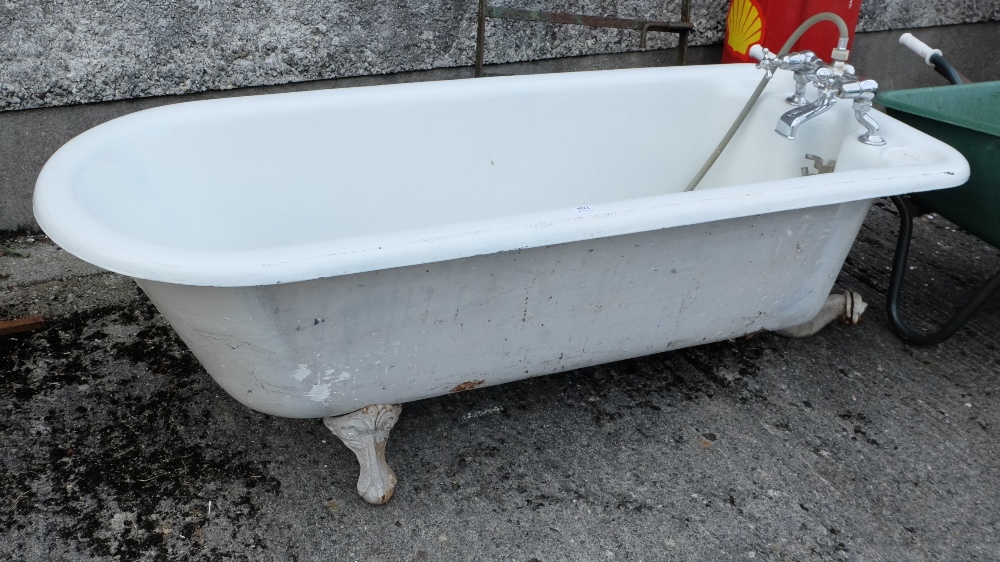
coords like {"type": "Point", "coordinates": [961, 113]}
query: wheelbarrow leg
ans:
{"type": "Point", "coordinates": [906, 333]}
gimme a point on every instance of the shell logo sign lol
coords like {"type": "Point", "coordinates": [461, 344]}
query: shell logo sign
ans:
{"type": "Point", "coordinates": [744, 27]}
{"type": "Point", "coordinates": [772, 22]}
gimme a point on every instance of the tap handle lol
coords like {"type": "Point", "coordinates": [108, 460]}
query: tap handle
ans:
{"type": "Point", "coordinates": [859, 89]}
{"type": "Point", "coordinates": [802, 61]}
{"type": "Point", "coordinates": [767, 61]}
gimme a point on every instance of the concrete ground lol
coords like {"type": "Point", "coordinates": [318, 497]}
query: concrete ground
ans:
{"type": "Point", "coordinates": [849, 445]}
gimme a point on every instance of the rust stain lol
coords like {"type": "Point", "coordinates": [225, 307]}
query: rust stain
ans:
{"type": "Point", "coordinates": [468, 385]}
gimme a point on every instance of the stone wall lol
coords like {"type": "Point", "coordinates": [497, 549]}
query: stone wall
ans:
{"type": "Point", "coordinates": [63, 52]}
{"type": "Point", "coordinates": [58, 57]}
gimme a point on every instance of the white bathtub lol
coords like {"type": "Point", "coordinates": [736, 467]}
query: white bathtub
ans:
{"type": "Point", "coordinates": [325, 251]}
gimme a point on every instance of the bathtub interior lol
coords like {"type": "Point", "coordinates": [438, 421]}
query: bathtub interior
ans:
{"type": "Point", "coordinates": [281, 188]}
{"type": "Point", "coordinates": [271, 171]}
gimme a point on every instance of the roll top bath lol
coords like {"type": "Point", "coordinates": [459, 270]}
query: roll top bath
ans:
{"type": "Point", "coordinates": [334, 254]}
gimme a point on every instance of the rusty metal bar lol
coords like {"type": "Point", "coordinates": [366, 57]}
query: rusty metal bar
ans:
{"type": "Point", "coordinates": [682, 39]}
{"type": "Point", "coordinates": [683, 27]}
{"type": "Point", "coordinates": [480, 38]}
{"type": "Point", "coordinates": [28, 324]}
{"type": "Point", "coordinates": [588, 21]}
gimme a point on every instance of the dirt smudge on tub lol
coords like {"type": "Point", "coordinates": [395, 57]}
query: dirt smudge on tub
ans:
{"type": "Point", "coordinates": [468, 385]}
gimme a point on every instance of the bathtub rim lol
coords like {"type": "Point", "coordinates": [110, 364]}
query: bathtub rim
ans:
{"type": "Point", "coordinates": [67, 222]}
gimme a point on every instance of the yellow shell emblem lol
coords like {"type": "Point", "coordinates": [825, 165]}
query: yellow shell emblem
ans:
{"type": "Point", "coordinates": [744, 26]}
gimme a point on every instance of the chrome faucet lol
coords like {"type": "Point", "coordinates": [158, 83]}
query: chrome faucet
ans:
{"type": "Point", "coordinates": [832, 82]}
{"type": "Point", "coordinates": [789, 123]}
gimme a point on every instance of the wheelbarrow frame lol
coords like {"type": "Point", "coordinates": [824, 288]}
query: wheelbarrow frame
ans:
{"type": "Point", "coordinates": [910, 207]}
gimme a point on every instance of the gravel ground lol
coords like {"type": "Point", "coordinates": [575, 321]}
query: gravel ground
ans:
{"type": "Point", "coordinates": [849, 445]}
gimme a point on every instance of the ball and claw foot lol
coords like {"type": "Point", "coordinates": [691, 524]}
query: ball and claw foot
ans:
{"type": "Point", "coordinates": [846, 307]}
{"type": "Point", "coordinates": [365, 432]}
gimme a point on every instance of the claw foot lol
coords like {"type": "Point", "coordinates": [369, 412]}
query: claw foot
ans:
{"type": "Point", "coordinates": [365, 432]}
{"type": "Point", "coordinates": [847, 307]}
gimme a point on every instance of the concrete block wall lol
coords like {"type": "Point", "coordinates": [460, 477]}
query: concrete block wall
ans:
{"type": "Point", "coordinates": [60, 53]}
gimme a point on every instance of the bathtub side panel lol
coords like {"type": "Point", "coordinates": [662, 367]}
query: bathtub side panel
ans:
{"type": "Point", "coordinates": [330, 346]}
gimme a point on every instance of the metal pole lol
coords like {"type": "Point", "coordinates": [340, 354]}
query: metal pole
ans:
{"type": "Point", "coordinates": [480, 38]}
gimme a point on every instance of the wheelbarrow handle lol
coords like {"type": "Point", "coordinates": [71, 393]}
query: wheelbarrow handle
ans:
{"type": "Point", "coordinates": [933, 57]}
{"type": "Point", "coordinates": [923, 50]}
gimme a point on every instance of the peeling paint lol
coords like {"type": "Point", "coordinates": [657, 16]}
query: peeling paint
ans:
{"type": "Point", "coordinates": [319, 392]}
{"type": "Point", "coordinates": [302, 372]}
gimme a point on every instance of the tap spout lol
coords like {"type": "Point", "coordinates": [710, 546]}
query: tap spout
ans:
{"type": "Point", "coordinates": [790, 122]}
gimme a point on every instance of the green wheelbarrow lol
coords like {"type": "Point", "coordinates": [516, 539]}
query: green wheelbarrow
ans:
{"type": "Point", "coordinates": [967, 117]}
